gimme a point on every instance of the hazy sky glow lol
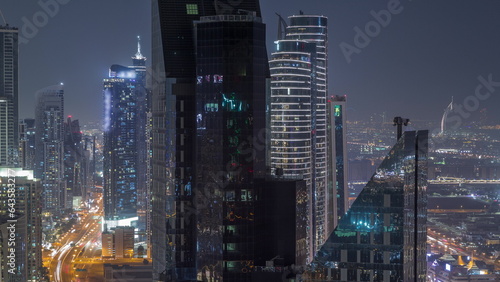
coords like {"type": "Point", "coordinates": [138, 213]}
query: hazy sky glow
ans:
{"type": "Point", "coordinates": [409, 65]}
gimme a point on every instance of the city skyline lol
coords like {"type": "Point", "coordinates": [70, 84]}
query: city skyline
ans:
{"type": "Point", "coordinates": [423, 51]}
{"type": "Point", "coordinates": [249, 141]}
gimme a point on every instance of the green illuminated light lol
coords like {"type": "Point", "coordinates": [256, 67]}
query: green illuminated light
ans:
{"type": "Point", "coordinates": [337, 110]}
{"type": "Point", "coordinates": [192, 9]}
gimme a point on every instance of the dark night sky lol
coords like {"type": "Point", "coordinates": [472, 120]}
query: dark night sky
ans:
{"type": "Point", "coordinates": [429, 51]}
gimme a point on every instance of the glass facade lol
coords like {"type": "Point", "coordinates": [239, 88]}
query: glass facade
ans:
{"type": "Point", "coordinates": [9, 117]}
{"type": "Point", "coordinates": [232, 70]}
{"type": "Point", "coordinates": [121, 143]}
{"type": "Point", "coordinates": [382, 237]}
{"type": "Point", "coordinates": [49, 145]}
{"type": "Point", "coordinates": [141, 127]}
{"type": "Point", "coordinates": [173, 212]}
{"type": "Point", "coordinates": [27, 143]}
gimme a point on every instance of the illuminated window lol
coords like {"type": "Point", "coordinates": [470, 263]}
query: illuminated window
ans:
{"type": "Point", "coordinates": [192, 9]}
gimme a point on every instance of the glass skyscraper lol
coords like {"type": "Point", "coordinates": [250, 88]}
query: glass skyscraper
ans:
{"type": "Point", "coordinates": [49, 145]}
{"type": "Point", "coordinates": [383, 235]}
{"type": "Point", "coordinates": [125, 149]}
{"type": "Point", "coordinates": [231, 68]}
{"type": "Point", "coordinates": [27, 143]}
{"type": "Point", "coordinates": [175, 119]}
{"type": "Point", "coordinates": [299, 115]}
{"type": "Point", "coordinates": [120, 147]}
{"type": "Point", "coordinates": [9, 117]}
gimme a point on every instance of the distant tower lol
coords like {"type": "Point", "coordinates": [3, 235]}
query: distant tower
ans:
{"type": "Point", "coordinates": [448, 110]}
{"type": "Point", "coordinates": [27, 144]}
{"type": "Point", "coordinates": [74, 161]}
{"type": "Point", "coordinates": [49, 145]}
{"type": "Point", "coordinates": [9, 96]}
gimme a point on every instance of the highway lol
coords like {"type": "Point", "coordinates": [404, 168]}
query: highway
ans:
{"type": "Point", "coordinates": [441, 243]}
{"type": "Point", "coordinates": [82, 240]}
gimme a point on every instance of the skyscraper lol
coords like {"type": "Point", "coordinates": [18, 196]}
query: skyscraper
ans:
{"type": "Point", "coordinates": [75, 162]}
{"type": "Point", "coordinates": [8, 96]}
{"type": "Point", "coordinates": [49, 145]}
{"type": "Point", "coordinates": [21, 215]}
{"type": "Point", "coordinates": [299, 115]}
{"type": "Point", "coordinates": [172, 107]}
{"type": "Point", "coordinates": [125, 155]}
{"type": "Point", "coordinates": [338, 197]}
{"type": "Point", "coordinates": [313, 28]}
{"type": "Point", "coordinates": [232, 69]}
{"type": "Point", "coordinates": [120, 147]}
{"type": "Point", "coordinates": [27, 144]}
{"type": "Point", "coordinates": [143, 153]}
{"type": "Point", "coordinates": [293, 88]}
{"type": "Point", "coordinates": [383, 236]}
{"type": "Point", "coordinates": [176, 117]}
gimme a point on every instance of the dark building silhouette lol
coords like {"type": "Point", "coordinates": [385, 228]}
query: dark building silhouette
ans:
{"type": "Point", "coordinates": [191, 90]}
{"type": "Point", "coordinates": [383, 235]}
{"type": "Point", "coordinates": [231, 68]}
{"type": "Point", "coordinates": [281, 221]}
{"type": "Point", "coordinates": [74, 161]}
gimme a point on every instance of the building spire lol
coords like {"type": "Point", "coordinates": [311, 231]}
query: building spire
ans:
{"type": "Point", "coordinates": [138, 55]}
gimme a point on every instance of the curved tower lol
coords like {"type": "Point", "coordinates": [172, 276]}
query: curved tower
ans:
{"type": "Point", "coordinates": [445, 116]}
{"type": "Point", "coordinates": [313, 28]}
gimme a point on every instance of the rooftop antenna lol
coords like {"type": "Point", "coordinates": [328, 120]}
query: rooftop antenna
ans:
{"type": "Point", "coordinates": [138, 55]}
{"type": "Point", "coordinates": [1, 14]}
{"type": "Point", "coordinates": [399, 122]}
{"type": "Point", "coordinates": [282, 25]}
